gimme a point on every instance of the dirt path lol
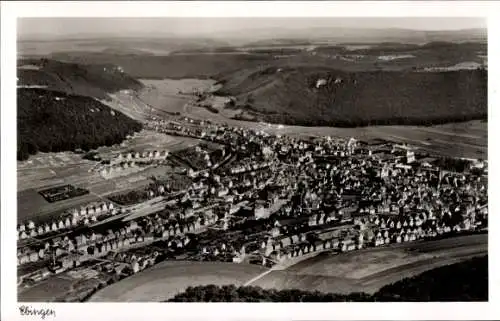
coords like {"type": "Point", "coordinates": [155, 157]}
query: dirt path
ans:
{"type": "Point", "coordinates": [258, 277]}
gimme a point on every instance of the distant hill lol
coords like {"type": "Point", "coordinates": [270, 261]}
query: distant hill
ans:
{"type": "Point", "coordinates": [346, 99]}
{"type": "Point", "coordinates": [279, 42]}
{"type": "Point", "coordinates": [53, 121]}
{"type": "Point", "coordinates": [269, 37]}
{"type": "Point", "coordinates": [45, 46]}
{"type": "Point", "coordinates": [444, 50]}
{"type": "Point", "coordinates": [174, 66]}
{"type": "Point", "coordinates": [126, 51]}
{"type": "Point", "coordinates": [95, 80]}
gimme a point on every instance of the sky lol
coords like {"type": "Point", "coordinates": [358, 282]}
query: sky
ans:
{"type": "Point", "coordinates": [60, 27]}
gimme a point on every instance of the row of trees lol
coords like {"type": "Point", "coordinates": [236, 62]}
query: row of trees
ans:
{"type": "Point", "coordinates": [132, 197]}
{"type": "Point", "coordinates": [288, 119]}
{"type": "Point", "coordinates": [453, 164]}
{"type": "Point", "coordinates": [50, 121]}
{"type": "Point", "coordinates": [466, 281]}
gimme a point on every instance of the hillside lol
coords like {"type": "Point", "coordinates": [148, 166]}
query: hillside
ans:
{"type": "Point", "coordinates": [78, 79]}
{"type": "Point", "coordinates": [269, 37]}
{"type": "Point", "coordinates": [367, 84]}
{"type": "Point", "coordinates": [346, 99]}
{"type": "Point", "coordinates": [174, 66]}
{"type": "Point", "coordinates": [466, 281]}
{"type": "Point", "coordinates": [217, 62]}
{"type": "Point", "coordinates": [431, 52]}
{"type": "Point", "coordinates": [51, 121]}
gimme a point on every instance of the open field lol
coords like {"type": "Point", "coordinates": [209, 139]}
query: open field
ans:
{"type": "Point", "coordinates": [368, 270]}
{"type": "Point", "coordinates": [30, 207]}
{"type": "Point", "coordinates": [170, 95]}
{"type": "Point", "coordinates": [59, 287]}
{"type": "Point", "coordinates": [166, 279]}
{"type": "Point", "coordinates": [51, 169]}
{"type": "Point", "coordinates": [360, 264]}
{"type": "Point", "coordinates": [365, 270]}
{"type": "Point", "coordinates": [147, 140]}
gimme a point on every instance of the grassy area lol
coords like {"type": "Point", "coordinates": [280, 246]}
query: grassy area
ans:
{"type": "Point", "coordinates": [465, 281]}
{"type": "Point", "coordinates": [370, 269]}
{"type": "Point", "coordinates": [166, 279]}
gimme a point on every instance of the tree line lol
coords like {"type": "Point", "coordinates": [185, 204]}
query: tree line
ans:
{"type": "Point", "coordinates": [50, 121]}
{"type": "Point", "coordinates": [287, 119]}
{"type": "Point", "coordinates": [465, 281]}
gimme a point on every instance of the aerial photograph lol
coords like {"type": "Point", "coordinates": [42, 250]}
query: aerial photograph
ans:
{"type": "Point", "coordinates": [252, 159]}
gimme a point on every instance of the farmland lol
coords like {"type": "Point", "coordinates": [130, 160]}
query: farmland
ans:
{"type": "Point", "coordinates": [57, 288]}
{"type": "Point", "coordinates": [212, 62]}
{"type": "Point", "coordinates": [369, 270]}
{"type": "Point", "coordinates": [46, 170]}
{"type": "Point", "coordinates": [171, 95]}
{"type": "Point", "coordinates": [31, 207]}
{"type": "Point", "coordinates": [169, 278]}
{"type": "Point", "coordinates": [326, 272]}
{"type": "Point", "coordinates": [460, 282]}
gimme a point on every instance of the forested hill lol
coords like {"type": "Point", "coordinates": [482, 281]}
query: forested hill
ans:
{"type": "Point", "coordinates": [96, 80]}
{"type": "Point", "coordinates": [317, 96]}
{"type": "Point", "coordinates": [52, 121]}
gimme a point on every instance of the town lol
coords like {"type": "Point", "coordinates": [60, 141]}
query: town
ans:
{"type": "Point", "coordinates": [251, 197]}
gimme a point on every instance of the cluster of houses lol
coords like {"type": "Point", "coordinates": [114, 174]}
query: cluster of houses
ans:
{"type": "Point", "coordinates": [144, 156]}
{"type": "Point", "coordinates": [72, 250]}
{"type": "Point", "coordinates": [248, 167]}
{"type": "Point", "coordinates": [223, 252]}
{"type": "Point", "coordinates": [344, 179]}
{"type": "Point", "coordinates": [200, 158]}
{"type": "Point", "coordinates": [134, 260]}
{"type": "Point", "coordinates": [68, 220]}
{"type": "Point", "coordinates": [279, 254]}
{"type": "Point", "coordinates": [164, 226]}
{"type": "Point", "coordinates": [288, 197]}
{"type": "Point", "coordinates": [125, 164]}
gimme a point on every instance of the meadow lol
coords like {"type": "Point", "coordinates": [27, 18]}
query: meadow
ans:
{"type": "Point", "coordinates": [51, 169]}
{"type": "Point", "coordinates": [370, 269]}
{"type": "Point", "coordinates": [166, 279]}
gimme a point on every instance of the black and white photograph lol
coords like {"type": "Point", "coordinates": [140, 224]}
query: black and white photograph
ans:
{"type": "Point", "coordinates": [250, 159]}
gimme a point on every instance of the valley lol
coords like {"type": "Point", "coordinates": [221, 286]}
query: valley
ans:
{"type": "Point", "coordinates": [147, 166]}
